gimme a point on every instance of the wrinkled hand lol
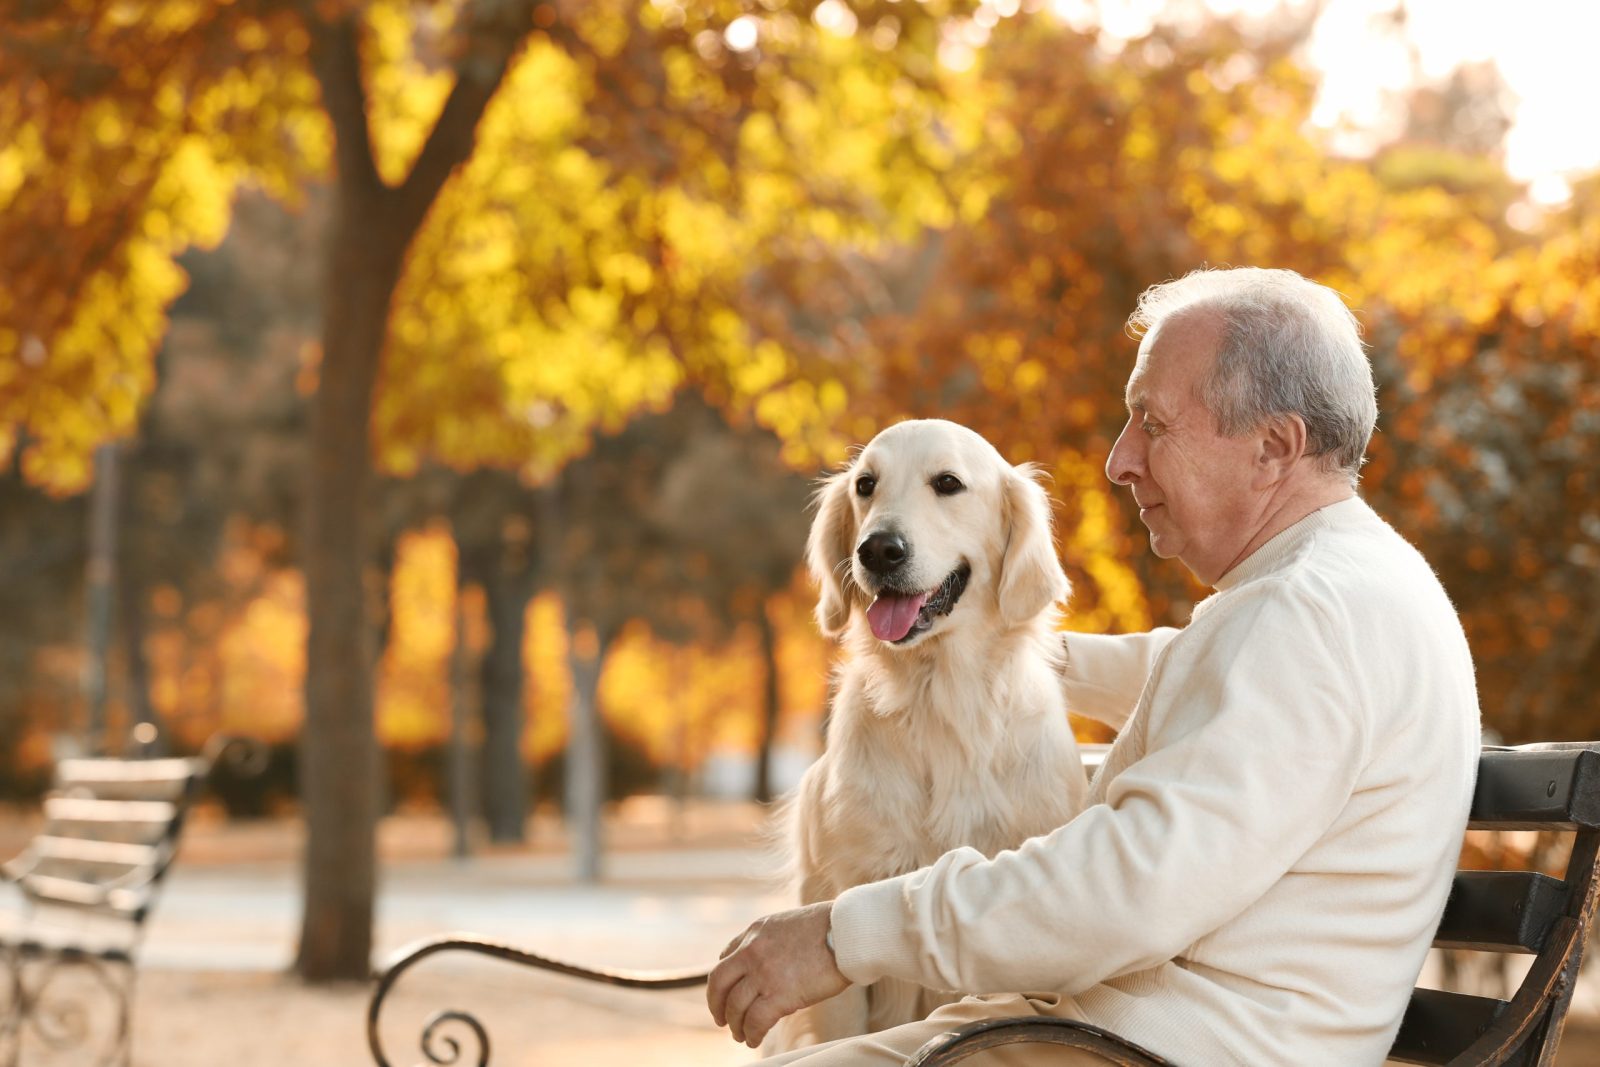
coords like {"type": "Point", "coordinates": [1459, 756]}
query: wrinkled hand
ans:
{"type": "Point", "coordinates": [776, 967]}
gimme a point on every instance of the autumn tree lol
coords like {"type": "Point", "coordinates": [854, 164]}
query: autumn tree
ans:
{"type": "Point", "coordinates": [677, 522]}
{"type": "Point", "coordinates": [736, 516]}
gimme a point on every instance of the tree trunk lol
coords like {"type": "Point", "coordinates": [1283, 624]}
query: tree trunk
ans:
{"type": "Point", "coordinates": [678, 780]}
{"type": "Point", "coordinates": [462, 774]}
{"type": "Point", "coordinates": [378, 583]}
{"type": "Point", "coordinates": [506, 779]}
{"type": "Point", "coordinates": [372, 226]}
{"type": "Point", "coordinates": [101, 583]}
{"type": "Point", "coordinates": [338, 751]}
{"type": "Point", "coordinates": [770, 700]}
{"type": "Point", "coordinates": [149, 734]}
{"type": "Point", "coordinates": [585, 787]}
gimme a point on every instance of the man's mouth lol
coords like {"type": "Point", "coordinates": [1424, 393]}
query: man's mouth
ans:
{"type": "Point", "coordinates": [897, 617]}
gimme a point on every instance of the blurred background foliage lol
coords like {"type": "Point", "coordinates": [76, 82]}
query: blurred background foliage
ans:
{"type": "Point", "coordinates": [637, 272]}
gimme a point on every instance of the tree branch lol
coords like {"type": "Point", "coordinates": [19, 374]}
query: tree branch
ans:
{"type": "Point", "coordinates": [492, 41]}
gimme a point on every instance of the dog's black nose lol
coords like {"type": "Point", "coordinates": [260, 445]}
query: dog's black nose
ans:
{"type": "Point", "coordinates": [882, 552]}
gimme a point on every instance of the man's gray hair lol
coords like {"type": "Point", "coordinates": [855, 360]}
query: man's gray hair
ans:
{"type": "Point", "coordinates": [1289, 347]}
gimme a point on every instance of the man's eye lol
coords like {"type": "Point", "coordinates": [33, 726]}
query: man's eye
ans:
{"type": "Point", "coordinates": [947, 485]}
{"type": "Point", "coordinates": [1151, 428]}
{"type": "Point", "coordinates": [865, 485]}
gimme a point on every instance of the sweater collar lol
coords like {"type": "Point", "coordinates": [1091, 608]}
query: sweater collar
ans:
{"type": "Point", "coordinates": [1270, 556]}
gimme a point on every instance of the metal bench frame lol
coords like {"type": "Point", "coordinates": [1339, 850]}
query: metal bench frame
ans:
{"type": "Point", "coordinates": [1547, 787]}
{"type": "Point", "coordinates": [81, 864]}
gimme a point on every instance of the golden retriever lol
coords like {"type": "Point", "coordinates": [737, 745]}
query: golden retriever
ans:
{"type": "Point", "coordinates": [948, 728]}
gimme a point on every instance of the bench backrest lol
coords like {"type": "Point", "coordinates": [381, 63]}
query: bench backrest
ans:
{"type": "Point", "coordinates": [1552, 787]}
{"type": "Point", "coordinates": [110, 832]}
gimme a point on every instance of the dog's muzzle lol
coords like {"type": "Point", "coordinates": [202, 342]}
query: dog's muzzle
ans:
{"type": "Point", "coordinates": [899, 617]}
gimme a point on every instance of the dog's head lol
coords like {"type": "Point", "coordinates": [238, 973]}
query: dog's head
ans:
{"type": "Point", "coordinates": [930, 530]}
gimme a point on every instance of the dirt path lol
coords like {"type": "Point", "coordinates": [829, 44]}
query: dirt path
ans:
{"type": "Point", "coordinates": [255, 1020]}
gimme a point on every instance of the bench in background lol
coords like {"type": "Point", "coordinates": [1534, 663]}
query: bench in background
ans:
{"type": "Point", "coordinates": [1547, 787]}
{"type": "Point", "coordinates": [88, 881]}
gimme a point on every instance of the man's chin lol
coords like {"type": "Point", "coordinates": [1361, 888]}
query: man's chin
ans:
{"type": "Point", "coordinates": [1162, 546]}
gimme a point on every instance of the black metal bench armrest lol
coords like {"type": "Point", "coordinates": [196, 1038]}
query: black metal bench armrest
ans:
{"type": "Point", "coordinates": [431, 1040]}
{"type": "Point", "coordinates": [947, 1048]}
{"type": "Point", "coordinates": [142, 878]}
{"type": "Point", "coordinates": [956, 1045]}
{"type": "Point", "coordinates": [245, 756]}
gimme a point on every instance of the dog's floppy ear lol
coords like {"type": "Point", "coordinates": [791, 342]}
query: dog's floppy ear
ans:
{"type": "Point", "coordinates": [1031, 578]}
{"type": "Point", "coordinates": [828, 551]}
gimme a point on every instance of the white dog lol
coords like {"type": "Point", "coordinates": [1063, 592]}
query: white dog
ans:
{"type": "Point", "coordinates": [948, 726]}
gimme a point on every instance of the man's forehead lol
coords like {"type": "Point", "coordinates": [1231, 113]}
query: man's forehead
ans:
{"type": "Point", "coordinates": [1137, 391]}
{"type": "Point", "coordinates": [1172, 354]}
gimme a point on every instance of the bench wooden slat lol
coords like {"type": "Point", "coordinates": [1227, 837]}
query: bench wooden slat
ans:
{"type": "Point", "coordinates": [87, 771]}
{"type": "Point", "coordinates": [96, 853]}
{"type": "Point", "coordinates": [1554, 787]}
{"type": "Point", "coordinates": [109, 779]}
{"type": "Point", "coordinates": [72, 893]}
{"type": "Point", "coordinates": [1438, 1026]}
{"type": "Point", "coordinates": [1501, 911]}
{"type": "Point", "coordinates": [118, 812]}
{"type": "Point", "coordinates": [165, 790]}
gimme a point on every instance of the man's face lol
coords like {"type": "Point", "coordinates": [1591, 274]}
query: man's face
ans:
{"type": "Point", "coordinates": [1192, 484]}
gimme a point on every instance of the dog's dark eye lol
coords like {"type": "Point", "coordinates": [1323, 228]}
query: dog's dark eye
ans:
{"type": "Point", "coordinates": [865, 485]}
{"type": "Point", "coordinates": [947, 485]}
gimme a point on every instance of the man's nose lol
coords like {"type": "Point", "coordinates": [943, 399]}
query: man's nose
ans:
{"type": "Point", "coordinates": [1125, 465]}
{"type": "Point", "coordinates": [882, 552]}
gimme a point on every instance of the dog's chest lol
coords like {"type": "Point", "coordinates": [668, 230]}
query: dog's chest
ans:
{"type": "Point", "coordinates": [921, 801]}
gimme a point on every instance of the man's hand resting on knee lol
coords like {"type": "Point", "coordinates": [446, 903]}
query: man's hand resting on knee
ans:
{"type": "Point", "coordinates": [779, 965]}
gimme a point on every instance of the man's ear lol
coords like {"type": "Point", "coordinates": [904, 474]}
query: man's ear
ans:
{"type": "Point", "coordinates": [829, 549]}
{"type": "Point", "coordinates": [1031, 578]}
{"type": "Point", "coordinates": [1280, 444]}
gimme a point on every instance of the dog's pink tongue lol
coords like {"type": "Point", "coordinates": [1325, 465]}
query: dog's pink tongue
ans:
{"type": "Point", "coordinates": [891, 616]}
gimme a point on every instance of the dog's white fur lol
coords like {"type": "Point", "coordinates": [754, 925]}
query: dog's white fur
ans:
{"type": "Point", "coordinates": [957, 736]}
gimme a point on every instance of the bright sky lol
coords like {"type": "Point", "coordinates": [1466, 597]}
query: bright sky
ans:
{"type": "Point", "coordinates": [1545, 50]}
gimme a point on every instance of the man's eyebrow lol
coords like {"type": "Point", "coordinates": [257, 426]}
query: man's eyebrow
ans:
{"type": "Point", "coordinates": [1136, 402]}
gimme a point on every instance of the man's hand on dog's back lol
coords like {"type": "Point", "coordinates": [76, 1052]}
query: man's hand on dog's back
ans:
{"type": "Point", "coordinates": [779, 965]}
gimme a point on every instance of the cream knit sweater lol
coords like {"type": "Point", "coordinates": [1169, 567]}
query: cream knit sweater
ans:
{"type": "Point", "coordinates": [1270, 843]}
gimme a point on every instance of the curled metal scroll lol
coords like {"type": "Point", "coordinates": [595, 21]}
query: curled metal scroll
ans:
{"type": "Point", "coordinates": [442, 1049]}
{"type": "Point", "coordinates": [61, 1020]}
{"type": "Point", "coordinates": [15, 1004]}
{"type": "Point", "coordinates": [431, 1031]}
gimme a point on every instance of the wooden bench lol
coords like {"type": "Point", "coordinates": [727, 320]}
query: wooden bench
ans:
{"type": "Point", "coordinates": [1549, 787]}
{"type": "Point", "coordinates": [88, 880]}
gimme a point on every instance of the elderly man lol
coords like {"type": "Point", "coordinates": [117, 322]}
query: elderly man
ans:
{"type": "Point", "coordinates": [1271, 840]}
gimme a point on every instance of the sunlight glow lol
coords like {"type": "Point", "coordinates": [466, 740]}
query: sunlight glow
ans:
{"type": "Point", "coordinates": [1542, 50]}
{"type": "Point", "coordinates": [741, 33]}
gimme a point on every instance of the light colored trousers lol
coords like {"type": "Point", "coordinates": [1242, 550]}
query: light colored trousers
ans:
{"type": "Point", "coordinates": [891, 1048]}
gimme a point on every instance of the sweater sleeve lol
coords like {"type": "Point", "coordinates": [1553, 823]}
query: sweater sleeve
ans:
{"type": "Point", "coordinates": [1105, 673]}
{"type": "Point", "coordinates": [1255, 739]}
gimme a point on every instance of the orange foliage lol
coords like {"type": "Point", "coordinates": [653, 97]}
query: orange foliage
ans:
{"type": "Point", "coordinates": [676, 702]}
